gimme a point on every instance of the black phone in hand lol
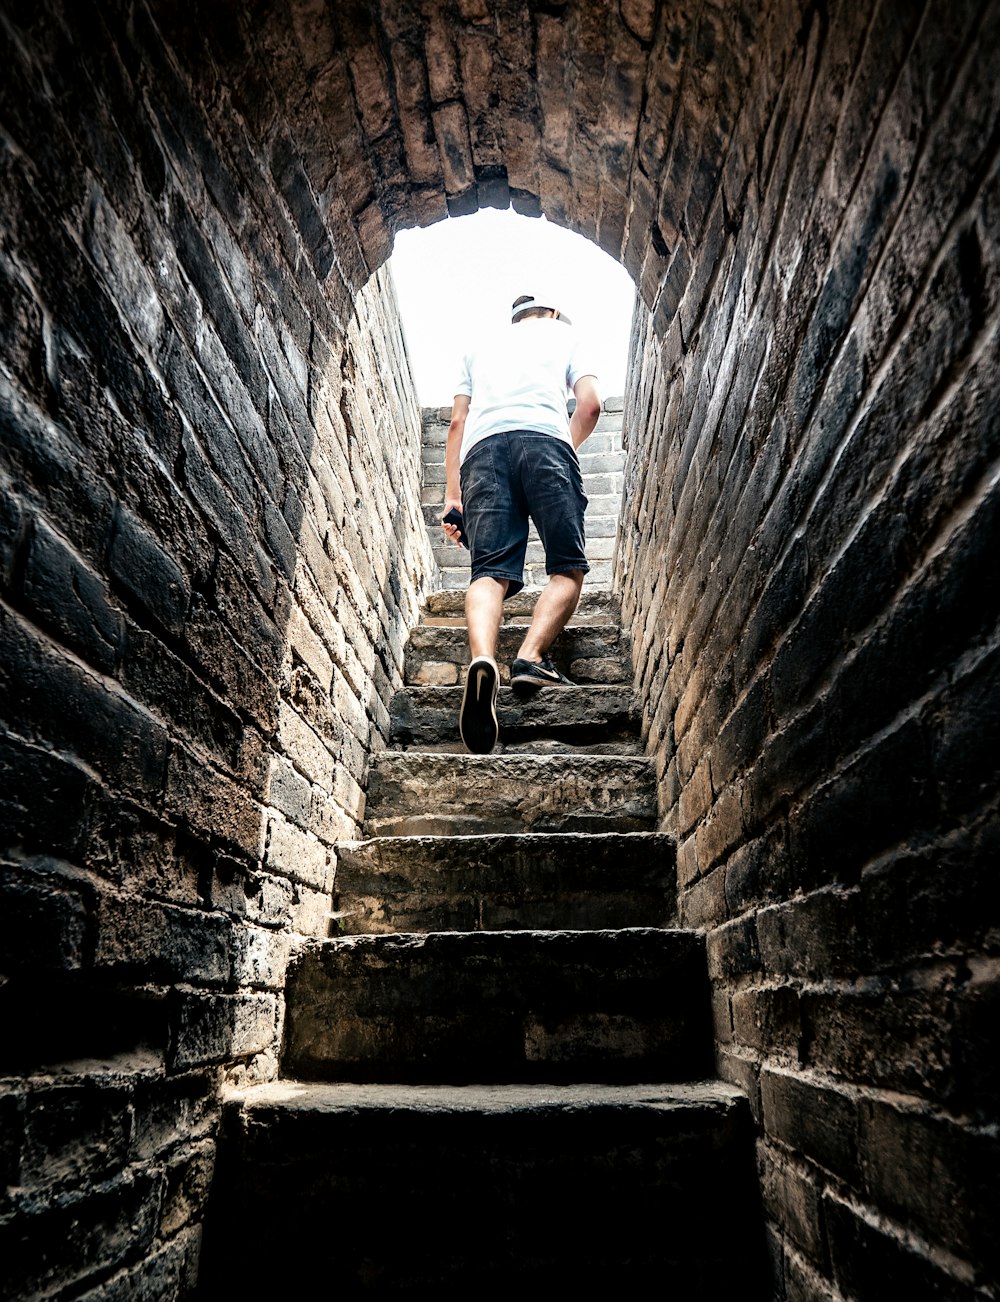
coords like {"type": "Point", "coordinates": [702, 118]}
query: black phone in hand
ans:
{"type": "Point", "coordinates": [454, 517]}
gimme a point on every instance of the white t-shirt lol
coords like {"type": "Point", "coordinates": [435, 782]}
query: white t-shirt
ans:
{"type": "Point", "coordinates": [521, 379]}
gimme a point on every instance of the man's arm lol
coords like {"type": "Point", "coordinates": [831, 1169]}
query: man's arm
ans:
{"type": "Point", "coordinates": [453, 487]}
{"type": "Point", "coordinates": [588, 408]}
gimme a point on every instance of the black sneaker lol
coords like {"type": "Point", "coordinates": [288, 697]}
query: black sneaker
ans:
{"type": "Point", "coordinates": [478, 721]}
{"type": "Point", "coordinates": [537, 673]}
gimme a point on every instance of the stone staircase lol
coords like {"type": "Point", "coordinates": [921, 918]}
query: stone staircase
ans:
{"type": "Point", "coordinates": [499, 1076]}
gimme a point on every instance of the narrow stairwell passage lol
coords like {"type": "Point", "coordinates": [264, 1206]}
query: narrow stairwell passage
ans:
{"type": "Point", "coordinates": [500, 1075]}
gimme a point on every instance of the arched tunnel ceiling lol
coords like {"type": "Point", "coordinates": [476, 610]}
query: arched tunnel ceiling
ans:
{"type": "Point", "coordinates": [625, 122]}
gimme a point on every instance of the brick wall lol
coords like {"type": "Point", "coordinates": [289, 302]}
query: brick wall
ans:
{"type": "Point", "coordinates": [211, 548]}
{"type": "Point", "coordinates": [813, 487]}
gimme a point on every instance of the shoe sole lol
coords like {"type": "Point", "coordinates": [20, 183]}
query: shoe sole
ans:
{"type": "Point", "coordinates": [477, 722]}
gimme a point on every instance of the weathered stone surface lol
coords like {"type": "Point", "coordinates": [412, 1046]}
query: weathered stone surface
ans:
{"type": "Point", "coordinates": [494, 883]}
{"type": "Point", "coordinates": [580, 647]}
{"type": "Point", "coordinates": [599, 719]}
{"type": "Point", "coordinates": [626, 1165]}
{"type": "Point", "coordinates": [418, 794]}
{"type": "Point", "coordinates": [596, 606]}
{"type": "Point", "coordinates": [525, 1005]}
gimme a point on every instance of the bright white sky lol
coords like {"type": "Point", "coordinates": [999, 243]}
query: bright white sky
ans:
{"type": "Point", "coordinates": [456, 280]}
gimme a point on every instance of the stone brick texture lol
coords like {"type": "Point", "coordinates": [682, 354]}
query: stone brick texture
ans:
{"type": "Point", "coordinates": [810, 506]}
{"type": "Point", "coordinates": [212, 543]}
{"type": "Point", "coordinates": [211, 551]}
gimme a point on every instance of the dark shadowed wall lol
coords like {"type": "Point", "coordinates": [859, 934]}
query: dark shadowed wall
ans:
{"type": "Point", "coordinates": [810, 551]}
{"type": "Point", "coordinates": [211, 548]}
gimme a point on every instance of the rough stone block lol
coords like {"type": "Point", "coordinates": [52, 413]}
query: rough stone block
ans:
{"type": "Point", "coordinates": [66, 596]}
{"type": "Point", "coordinates": [71, 1238]}
{"type": "Point", "coordinates": [792, 1201]}
{"type": "Point", "coordinates": [492, 883]}
{"type": "Point", "coordinates": [187, 1183]}
{"type": "Point", "coordinates": [221, 1028]}
{"type": "Point", "coordinates": [147, 574]}
{"type": "Point", "coordinates": [212, 804]}
{"type": "Point", "coordinates": [170, 1111]}
{"type": "Point", "coordinates": [865, 1250]}
{"type": "Point", "coordinates": [44, 921]}
{"type": "Point", "coordinates": [158, 942]}
{"type": "Point", "coordinates": [500, 1006]}
{"type": "Point", "coordinates": [292, 853]}
{"type": "Point", "coordinates": [422, 794]}
{"type": "Point", "coordinates": [815, 1120]}
{"type": "Point", "coordinates": [733, 949]}
{"type": "Point", "coordinates": [52, 697]}
{"type": "Point", "coordinates": [260, 957]}
{"type": "Point", "coordinates": [75, 1133]}
{"type": "Point", "coordinates": [628, 1165]}
{"type": "Point", "coordinates": [165, 1274]}
{"type": "Point", "coordinates": [576, 718]}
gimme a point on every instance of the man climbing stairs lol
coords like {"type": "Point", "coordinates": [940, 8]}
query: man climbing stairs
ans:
{"type": "Point", "coordinates": [499, 1076]}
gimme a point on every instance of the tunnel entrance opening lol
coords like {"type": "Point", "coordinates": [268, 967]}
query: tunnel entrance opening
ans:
{"type": "Point", "coordinates": [456, 281]}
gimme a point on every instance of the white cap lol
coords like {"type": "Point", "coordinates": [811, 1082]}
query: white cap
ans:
{"type": "Point", "coordinates": [535, 301]}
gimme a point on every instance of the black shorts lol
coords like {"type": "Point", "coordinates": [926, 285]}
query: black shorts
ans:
{"type": "Point", "coordinates": [509, 478]}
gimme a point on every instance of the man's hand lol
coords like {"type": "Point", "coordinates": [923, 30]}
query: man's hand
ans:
{"type": "Point", "coordinates": [451, 530]}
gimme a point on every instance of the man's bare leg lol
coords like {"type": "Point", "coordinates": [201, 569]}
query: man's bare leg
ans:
{"type": "Point", "coordinates": [477, 721]}
{"type": "Point", "coordinates": [483, 615]}
{"type": "Point", "coordinates": [555, 605]}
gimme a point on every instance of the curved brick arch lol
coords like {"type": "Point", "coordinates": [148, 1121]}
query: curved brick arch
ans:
{"type": "Point", "coordinates": [635, 124]}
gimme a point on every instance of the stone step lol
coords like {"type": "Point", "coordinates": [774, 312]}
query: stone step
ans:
{"type": "Point", "coordinates": [597, 606]}
{"type": "Point", "coordinates": [436, 656]}
{"type": "Point", "coordinates": [506, 883]}
{"type": "Point", "coordinates": [452, 1007]}
{"type": "Point", "coordinates": [415, 794]}
{"type": "Point", "coordinates": [486, 1191]}
{"type": "Point", "coordinates": [549, 720]}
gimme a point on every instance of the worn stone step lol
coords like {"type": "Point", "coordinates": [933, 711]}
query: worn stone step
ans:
{"type": "Point", "coordinates": [623, 1005]}
{"type": "Point", "coordinates": [548, 720]}
{"type": "Point", "coordinates": [486, 1191]}
{"type": "Point", "coordinates": [534, 881]}
{"type": "Point", "coordinates": [414, 794]}
{"type": "Point", "coordinates": [435, 656]}
{"type": "Point", "coordinates": [597, 606]}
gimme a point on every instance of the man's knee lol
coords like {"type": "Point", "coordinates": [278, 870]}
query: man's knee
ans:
{"type": "Point", "coordinates": [573, 576]}
{"type": "Point", "coordinates": [487, 584]}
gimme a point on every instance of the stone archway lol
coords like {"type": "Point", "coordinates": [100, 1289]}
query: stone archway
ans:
{"type": "Point", "coordinates": [197, 203]}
